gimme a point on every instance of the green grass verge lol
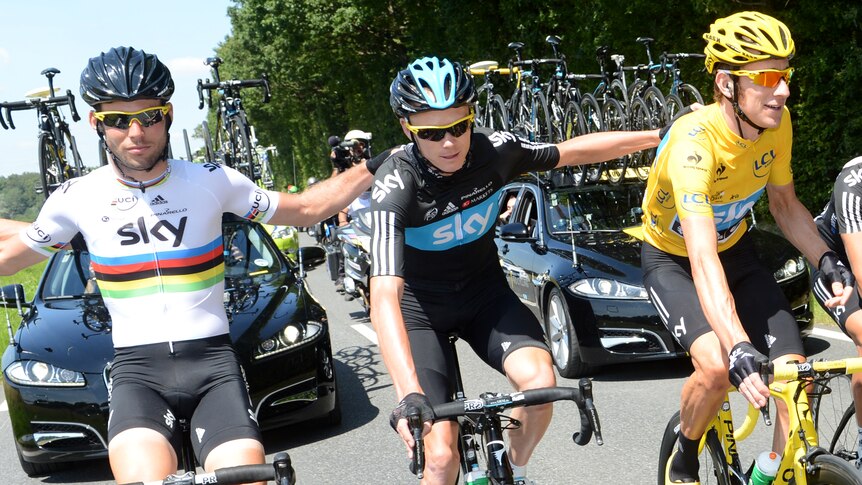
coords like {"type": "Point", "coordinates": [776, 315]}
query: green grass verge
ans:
{"type": "Point", "coordinates": [29, 278]}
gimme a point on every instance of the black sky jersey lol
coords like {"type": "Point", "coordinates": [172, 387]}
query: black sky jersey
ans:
{"type": "Point", "coordinates": [843, 213]}
{"type": "Point", "coordinates": [437, 232]}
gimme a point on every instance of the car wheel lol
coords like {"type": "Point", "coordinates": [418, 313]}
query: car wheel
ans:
{"type": "Point", "coordinates": [37, 469]}
{"type": "Point", "coordinates": [561, 337]}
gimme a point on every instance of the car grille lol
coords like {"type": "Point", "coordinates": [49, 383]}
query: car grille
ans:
{"type": "Point", "coordinates": [57, 436]}
{"type": "Point", "coordinates": [631, 341]}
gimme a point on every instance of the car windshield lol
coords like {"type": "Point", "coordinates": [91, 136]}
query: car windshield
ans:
{"type": "Point", "coordinates": [247, 253]}
{"type": "Point", "coordinates": [593, 208]}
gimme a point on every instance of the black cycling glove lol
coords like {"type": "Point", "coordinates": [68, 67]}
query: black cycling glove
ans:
{"type": "Point", "coordinates": [832, 270]}
{"type": "Point", "coordinates": [744, 361]}
{"type": "Point", "coordinates": [413, 404]}
{"type": "Point", "coordinates": [663, 131]}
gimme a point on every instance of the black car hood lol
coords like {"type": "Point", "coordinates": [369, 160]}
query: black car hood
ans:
{"type": "Point", "coordinates": [76, 333]}
{"type": "Point", "coordinates": [617, 254]}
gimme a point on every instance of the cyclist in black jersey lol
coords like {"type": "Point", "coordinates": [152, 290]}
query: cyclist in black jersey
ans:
{"type": "Point", "coordinates": [840, 226]}
{"type": "Point", "coordinates": [700, 266]}
{"type": "Point", "coordinates": [153, 229]}
{"type": "Point", "coordinates": [435, 203]}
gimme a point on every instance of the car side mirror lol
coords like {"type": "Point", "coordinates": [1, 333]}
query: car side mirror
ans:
{"type": "Point", "coordinates": [12, 296]}
{"type": "Point", "coordinates": [515, 231]}
{"type": "Point", "coordinates": [311, 256]}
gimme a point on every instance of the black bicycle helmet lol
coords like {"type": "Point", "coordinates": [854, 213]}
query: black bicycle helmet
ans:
{"type": "Point", "coordinates": [429, 83]}
{"type": "Point", "coordinates": [125, 74]}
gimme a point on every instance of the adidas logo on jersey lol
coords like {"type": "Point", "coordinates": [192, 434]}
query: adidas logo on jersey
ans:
{"type": "Point", "coordinates": [159, 200]}
{"type": "Point", "coordinates": [450, 208]}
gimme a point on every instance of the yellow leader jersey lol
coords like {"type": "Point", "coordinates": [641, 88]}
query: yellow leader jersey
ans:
{"type": "Point", "coordinates": [704, 168]}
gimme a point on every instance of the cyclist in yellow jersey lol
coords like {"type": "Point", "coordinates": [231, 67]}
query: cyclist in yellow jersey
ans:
{"type": "Point", "coordinates": [700, 267]}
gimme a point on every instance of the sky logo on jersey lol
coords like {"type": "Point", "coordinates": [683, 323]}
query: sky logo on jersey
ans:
{"type": "Point", "coordinates": [382, 188]}
{"type": "Point", "coordinates": [499, 137]}
{"type": "Point", "coordinates": [728, 215]}
{"type": "Point", "coordinates": [460, 228]}
{"type": "Point", "coordinates": [853, 178]}
{"type": "Point", "coordinates": [138, 232]}
{"type": "Point", "coordinates": [761, 166]}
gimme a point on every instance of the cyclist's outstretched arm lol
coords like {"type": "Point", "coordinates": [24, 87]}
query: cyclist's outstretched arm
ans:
{"type": "Point", "coordinates": [14, 254]}
{"type": "Point", "coordinates": [323, 199]}
{"type": "Point", "coordinates": [607, 145]}
{"type": "Point", "coordinates": [715, 297]}
{"type": "Point", "coordinates": [388, 323]}
{"type": "Point", "coordinates": [797, 225]}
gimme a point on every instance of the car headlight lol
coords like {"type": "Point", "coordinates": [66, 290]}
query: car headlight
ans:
{"type": "Point", "coordinates": [291, 336]}
{"type": "Point", "coordinates": [790, 268]}
{"type": "Point", "coordinates": [37, 373]}
{"type": "Point", "coordinates": [607, 288]}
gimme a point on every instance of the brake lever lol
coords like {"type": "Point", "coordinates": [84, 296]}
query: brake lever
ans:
{"type": "Point", "coordinates": [417, 465]}
{"type": "Point", "coordinates": [765, 372]}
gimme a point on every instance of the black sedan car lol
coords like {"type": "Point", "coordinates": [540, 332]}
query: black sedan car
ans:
{"type": "Point", "coordinates": [568, 255]}
{"type": "Point", "coordinates": [57, 365]}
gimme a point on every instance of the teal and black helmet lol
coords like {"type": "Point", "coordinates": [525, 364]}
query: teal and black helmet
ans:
{"type": "Point", "coordinates": [430, 83]}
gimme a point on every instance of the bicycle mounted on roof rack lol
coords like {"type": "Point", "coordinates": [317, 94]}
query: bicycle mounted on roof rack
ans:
{"type": "Point", "coordinates": [234, 133]}
{"type": "Point", "coordinates": [54, 135]}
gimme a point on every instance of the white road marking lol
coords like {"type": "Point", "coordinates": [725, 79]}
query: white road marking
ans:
{"type": "Point", "coordinates": [4, 408]}
{"type": "Point", "coordinates": [366, 332]}
{"type": "Point", "coordinates": [830, 334]}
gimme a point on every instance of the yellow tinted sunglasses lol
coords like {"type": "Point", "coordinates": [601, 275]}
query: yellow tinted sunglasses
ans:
{"type": "Point", "coordinates": [436, 133]}
{"type": "Point", "coordinates": [123, 120]}
{"type": "Point", "coordinates": [766, 77]}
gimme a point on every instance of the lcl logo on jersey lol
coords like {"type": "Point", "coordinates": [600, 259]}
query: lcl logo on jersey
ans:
{"type": "Point", "coordinates": [382, 188]}
{"type": "Point", "coordinates": [124, 202]}
{"type": "Point", "coordinates": [137, 232]}
{"type": "Point", "coordinates": [761, 166]}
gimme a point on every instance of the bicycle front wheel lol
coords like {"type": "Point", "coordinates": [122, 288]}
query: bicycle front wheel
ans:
{"type": "Point", "coordinates": [713, 467]}
{"type": "Point", "coordinates": [835, 416]}
{"type": "Point", "coordinates": [831, 470]}
{"type": "Point", "coordinates": [615, 120]}
{"type": "Point", "coordinates": [242, 148]}
{"type": "Point", "coordinates": [51, 167]}
{"type": "Point", "coordinates": [639, 120]}
{"type": "Point", "coordinates": [497, 115]}
{"type": "Point", "coordinates": [208, 142]}
{"type": "Point", "coordinates": [541, 119]}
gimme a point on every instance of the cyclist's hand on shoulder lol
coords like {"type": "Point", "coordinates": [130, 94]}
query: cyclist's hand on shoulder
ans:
{"type": "Point", "coordinates": [836, 278]}
{"type": "Point", "coordinates": [413, 404]}
{"type": "Point", "coordinates": [688, 109]}
{"type": "Point", "coordinates": [745, 370]}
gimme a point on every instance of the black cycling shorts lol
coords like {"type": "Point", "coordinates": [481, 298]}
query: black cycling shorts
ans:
{"type": "Point", "coordinates": [155, 385]}
{"type": "Point", "coordinates": [761, 306]}
{"type": "Point", "coordinates": [841, 313]}
{"type": "Point", "coordinates": [486, 314]}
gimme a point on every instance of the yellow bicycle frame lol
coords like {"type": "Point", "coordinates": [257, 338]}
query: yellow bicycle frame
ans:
{"type": "Point", "coordinates": [787, 387]}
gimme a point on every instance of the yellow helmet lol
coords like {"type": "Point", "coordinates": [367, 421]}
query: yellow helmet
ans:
{"type": "Point", "coordinates": [746, 37]}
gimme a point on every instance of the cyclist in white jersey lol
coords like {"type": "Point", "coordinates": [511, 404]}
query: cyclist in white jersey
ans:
{"type": "Point", "coordinates": [153, 229]}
